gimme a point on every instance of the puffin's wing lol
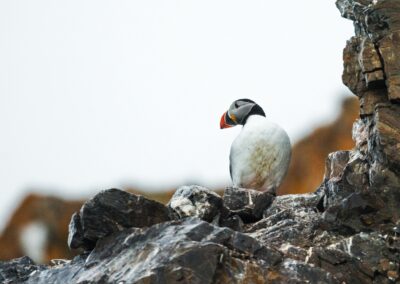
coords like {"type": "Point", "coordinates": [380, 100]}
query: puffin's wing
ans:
{"type": "Point", "coordinates": [230, 166]}
{"type": "Point", "coordinates": [231, 163]}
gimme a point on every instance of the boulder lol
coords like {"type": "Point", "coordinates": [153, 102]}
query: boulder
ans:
{"type": "Point", "coordinates": [194, 200]}
{"type": "Point", "coordinates": [111, 211]}
{"type": "Point", "coordinates": [248, 204]}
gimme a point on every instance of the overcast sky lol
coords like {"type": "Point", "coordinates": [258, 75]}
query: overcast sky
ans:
{"type": "Point", "coordinates": [97, 93]}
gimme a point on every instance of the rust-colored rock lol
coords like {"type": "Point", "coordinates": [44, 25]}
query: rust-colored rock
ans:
{"type": "Point", "coordinates": [49, 214]}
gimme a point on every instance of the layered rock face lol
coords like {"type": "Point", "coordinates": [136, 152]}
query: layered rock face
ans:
{"type": "Point", "coordinates": [348, 231]}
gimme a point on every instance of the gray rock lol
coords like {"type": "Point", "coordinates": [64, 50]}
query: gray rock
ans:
{"type": "Point", "coordinates": [111, 211]}
{"type": "Point", "coordinates": [231, 221]}
{"type": "Point", "coordinates": [75, 234]}
{"type": "Point", "coordinates": [292, 271]}
{"type": "Point", "coordinates": [290, 219]}
{"type": "Point", "coordinates": [248, 204]}
{"type": "Point", "coordinates": [196, 201]}
{"type": "Point", "coordinates": [18, 270]}
{"type": "Point", "coordinates": [183, 251]}
{"type": "Point", "coordinates": [345, 268]}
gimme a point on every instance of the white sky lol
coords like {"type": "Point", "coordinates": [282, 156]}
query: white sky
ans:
{"type": "Point", "coordinates": [97, 93]}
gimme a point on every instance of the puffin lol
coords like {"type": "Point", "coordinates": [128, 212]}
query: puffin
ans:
{"type": "Point", "coordinates": [260, 155]}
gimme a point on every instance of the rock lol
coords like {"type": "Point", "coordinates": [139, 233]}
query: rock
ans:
{"type": "Point", "coordinates": [292, 271]}
{"type": "Point", "coordinates": [352, 76]}
{"type": "Point", "coordinates": [335, 164]}
{"type": "Point", "coordinates": [183, 251]}
{"type": "Point", "coordinates": [18, 270]}
{"type": "Point", "coordinates": [375, 46]}
{"type": "Point", "coordinates": [360, 134]}
{"type": "Point", "coordinates": [290, 219]}
{"type": "Point", "coordinates": [198, 201]}
{"type": "Point", "coordinates": [111, 211]}
{"type": "Point", "coordinates": [51, 215]}
{"type": "Point", "coordinates": [391, 56]}
{"type": "Point", "coordinates": [363, 258]}
{"type": "Point", "coordinates": [370, 63]}
{"type": "Point", "coordinates": [342, 266]}
{"type": "Point", "coordinates": [231, 221]}
{"type": "Point", "coordinates": [386, 136]}
{"type": "Point", "coordinates": [248, 204]}
{"type": "Point", "coordinates": [58, 262]}
{"type": "Point", "coordinates": [369, 100]}
{"type": "Point", "coordinates": [75, 236]}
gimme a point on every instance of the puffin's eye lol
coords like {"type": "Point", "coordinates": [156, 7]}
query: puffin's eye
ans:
{"type": "Point", "coordinates": [233, 117]}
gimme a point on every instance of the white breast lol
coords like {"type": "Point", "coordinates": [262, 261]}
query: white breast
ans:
{"type": "Point", "coordinates": [260, 155]}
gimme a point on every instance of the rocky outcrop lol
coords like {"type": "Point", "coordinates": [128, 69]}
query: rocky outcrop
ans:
{"type": "Point", "coordinates": [185, 250]}
{"type": "Point", "coordinates": [305, 174]}
{"type": "Point", "coordinates": [48, 217]}
{"type": "Point", "coordinates": [195, 201]}
{"type": "Point", "coordinates": [53, 214]}
{"type": "Point", "coordinates": [111, 211]}
{"type": "Point", "coordinates": [348, 231]}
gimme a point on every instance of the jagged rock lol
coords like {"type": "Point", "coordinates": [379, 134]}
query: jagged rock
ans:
{"type": "Point", "coordinates": [183, 251]}
{"type": "Point", "coordinates": [369, 100]}
{"type": "Point", "coordinates": [335, 164]}
{"type": "Point", "coordinates": [111, 211]}
{"type": "Point", "coordinates": [386, 136]}
{"type": "Point", "coordinates": [391, 56]}
{"type": "Point", "coordinates": [196, 201]}
{"type": "Point", "coordinates": [360, 136]}
{"type": "Point", "coordinates": [370, 63]}
{"type": "Point", "coordinates": [361, 258]}
{"type": "Point", "coordinates": [292, 271]}
{"type": "Point", "coordinates": [51, 215]}
{"type": "Point", "coordinates": [231, 221]}
{"type": "Point", "coordinates": [343, 267]}
{"type": "Point", "coordinates": [291, 219]}
{"type": "Point", "coordinates": [75, 234]}
{"type": "Point", "coordinates": [376, 45]}
{"type": "Point", "coordinates": [248, 204]}
{"type": "Point", "coordinates": [18, 270]}
{"type": "Point", "coordinates": [352, 73]}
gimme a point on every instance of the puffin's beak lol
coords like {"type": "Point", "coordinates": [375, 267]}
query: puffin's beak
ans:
{"type": "Point", "coordinates": [223, 123]}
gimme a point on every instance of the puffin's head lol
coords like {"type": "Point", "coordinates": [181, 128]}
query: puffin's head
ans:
{"type": "Point", "coordinates": [239, 111]}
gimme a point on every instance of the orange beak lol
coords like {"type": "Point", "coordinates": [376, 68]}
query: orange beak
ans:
{"type": "Point", "coordinates": [223, 123]}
